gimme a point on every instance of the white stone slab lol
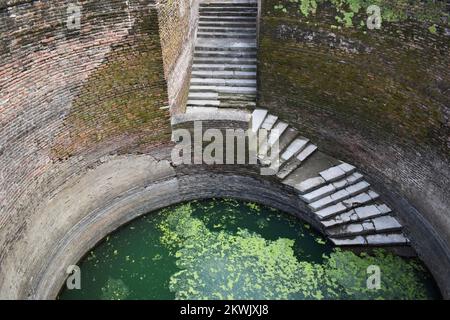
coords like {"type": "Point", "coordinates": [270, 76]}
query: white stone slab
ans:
{"type": "Point", "coordinates": [269, 122]}
{"type": "Point", "coordinates": [332, 174]}
{"type": "Point", "coordinates": [331, 211]}
{"type": "Point", "coordinates": [309, 150]}
{"type": "Point", "coordinates": [386, 239]}
{"type": "Point", "coordinates": [276, 132]}
{"type": "Point", "coordinates": [386, 223]}
{"type": "Point", "coordinates": [318, 194]}
{"type": "Point", "coordinates": [297, 145]}
{"type": "Point", "coordinates": [355, 241]}
{"type": "Point", "coordinates": [258, 117]}
{"type": "Point", "coordinates": [358, 188]}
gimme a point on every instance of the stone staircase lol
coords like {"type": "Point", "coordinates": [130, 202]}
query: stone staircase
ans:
{"type": "Point", "coordinates": [350, 212]}
{"type": "Point", "coordinates": [224, 65]}
{"type": "Point", "coordinates": [223, 87]}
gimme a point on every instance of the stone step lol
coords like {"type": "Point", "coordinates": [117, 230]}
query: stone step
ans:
{"type": "Point", "coordinates": [205, 47]}
{"type": "Point", "coordinates": [269, 122]}
{"type": "Point", "coordinates": [228, 30]}
{"type": "Point", "coordinates": [357, 214]}
{"type": "Point", "coordinates": [331, 188]}
{"type": "Point", "coordinates": [257, 119]}
{"type": "Point", "coordinates": [201, 110]}
{"type": "Point", "coordinates": [221, 18]}
{"type": "Point", "coordinates": [225, 60]}
{"type": "Point", "coordinates": [337, 172]}
{"type": "Point", "coordinates": [294, 148]}
{"type": "Point", "coordinates": [203, 96]}
{"type": "Point", "coordinates": [285, 140]}
{"type": "Point", "coordinates": [326, 176]}
{"type": "Point", "coordinates": [239, 45]}
{"type": "Point", "coordinates": [221, 104]}
{"type": "Point", "coordinates": [232, 14]}
{"type": "Point", "coordinates": [224, 74]}
{"type": "Point", "coordinates": [224, 82]}
{"type": "Point", "coordinates": [276, 132]}
{"type": "Point", "coordinates": [228, 8]}
{"type": "Point", "coordinates": [228, 24]}
{"type": "Point", "coordinates": [226, 35]}
{"type": "Point", "coordinates": [289, 166]}
{"type": "Point", "coordinates": [273, 136]}
{"type": "Point", "coordinates": [385, 239]}
{"type": "Point", "coordinates": [223, 67]}
{"type": "Point", "coordinates": [340, 195]}
{"type": "Point", "coordinates": [206, 103]}
{"type": "Point", "coordinates": [223, 89]}
{"type": "Point", "coordinates": [348, 204]}
{"type": "Point", "coordinates": [225, 54]}
{"type": "Point", "coordinates": [237, 97]}
{"type": "Point", "coordinates": [215, 3]}
{"type": "Point", "coordinates": [382, 224]}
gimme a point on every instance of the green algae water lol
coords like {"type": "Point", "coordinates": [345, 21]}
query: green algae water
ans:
{"type": "Point", "coordinates": [228, 249]}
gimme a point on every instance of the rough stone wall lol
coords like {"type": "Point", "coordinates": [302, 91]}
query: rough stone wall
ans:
{"type": "Point", "coordinates": [178, 25]}
{"type": "Point", "coordinates": [70, 97]}
{"type": "Point", "coordinates": [379, 99]}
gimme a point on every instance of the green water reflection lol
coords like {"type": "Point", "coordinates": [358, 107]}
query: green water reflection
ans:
{"type": "Point", "coordinates": [228, 249]}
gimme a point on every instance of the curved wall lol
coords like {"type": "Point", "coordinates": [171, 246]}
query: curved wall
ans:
{"type": "Point", "coordinates": [379, 99]}
{"type": "Point", "coordinates": [69, 97]}
{"type": "Point", "coordinates": [85, 133]}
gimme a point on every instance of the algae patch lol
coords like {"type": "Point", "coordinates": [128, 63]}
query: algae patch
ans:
{"type": "Point", "coordinates": [244, 265]}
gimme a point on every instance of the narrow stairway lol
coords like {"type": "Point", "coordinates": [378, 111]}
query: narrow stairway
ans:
{"type": "Point", "coordinates": [350, 212]}
{"type": "Point", "coordinates": [223, 87]}
{"type": "Point", "coordinates": [224, 65]}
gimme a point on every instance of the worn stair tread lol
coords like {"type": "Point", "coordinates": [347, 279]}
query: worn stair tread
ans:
{"type": "Point", "coordinates": [273, 158]}
{"type": "Point", "coordinates": [305, 153]}
{"type": "Point", "coordinates": [294, 148]}
{"type": "Point", "coordinates": [225, 74]}
{"type": "Point", "coordinates": [224, 54]}
{"type": "Point", "coordinates": [251, 30]}
{"type": "Point", "coordinates": [340, 195]}
{"type": "Point", "coordinates": [257, 119]}
{"type": "Point", "coordinates": [376, 225]}
{"type": "Point", "coordinates": [225, 35]}
{"type": "Point", "coordinates": [328, 189]}
{"type": "Point", "coordinates": [347, 204]}
{"type": "Point", "coordinates": [357, 214]}
{"type": "Point", "coordinates": [387, 239]}
{"type": "Point", "coordinates": [203, 96]}
{"type": "Point", "coordinates": [223, 89]}
{"type": "Point", "coordinates": [223, 67]}
{"type": "Point", "coordinates": [269, 122]}
{"type": "Point", "coordinates": [203, 103]}
{"type": "Point", "coordinates": [291, 165]}
{"type": "Point", "coordinates": [224, 82]}
{"type": "Point", "coordinates": [337, 172]}
{"type": "Point", "coordinates": [384, 239]}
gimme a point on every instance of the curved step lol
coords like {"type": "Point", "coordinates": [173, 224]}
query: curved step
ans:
{"type": "Point", "coordinates": [338, 196]}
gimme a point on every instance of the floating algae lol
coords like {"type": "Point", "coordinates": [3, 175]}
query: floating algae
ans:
{"type": "Point", "coordinates": [228, 249]}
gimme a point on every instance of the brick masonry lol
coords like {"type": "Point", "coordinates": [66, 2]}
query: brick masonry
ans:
{"type": "Point", "coordinates": [378, 99]}
{"type": "Point", "coordinates": [75, 96]}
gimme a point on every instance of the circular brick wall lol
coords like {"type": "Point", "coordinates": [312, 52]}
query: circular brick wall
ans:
{"type": "Point", "coordinates": [70, 94]}
{"type": "Point", "coordinates": [378, 99]}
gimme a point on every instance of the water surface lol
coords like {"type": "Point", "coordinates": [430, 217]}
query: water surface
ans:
{"type": "Point", "coordinates": [228, 249]}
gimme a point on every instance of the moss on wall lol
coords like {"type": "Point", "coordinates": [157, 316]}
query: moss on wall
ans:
{"type": "Point", "coordinates": [124, 98]}
{"type": "Point", "coordinates": [392, 82]}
